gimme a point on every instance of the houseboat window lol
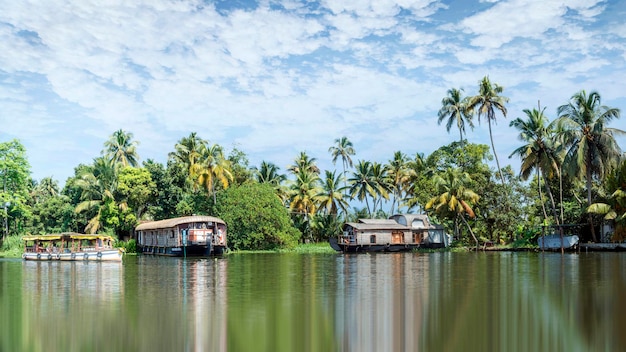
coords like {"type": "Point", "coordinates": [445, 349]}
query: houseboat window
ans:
{"type": "Point", "coordinates": [373, 239]}
{"type": "Point", "coordinates": [172, 234]}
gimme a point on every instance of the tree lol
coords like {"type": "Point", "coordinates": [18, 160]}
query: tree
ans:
{"type": "Point", "coordinates": [214, 168]}
{"type": "Point", "coordinates": [188, 152]}
{"type": "Point", "coordinates": [486, 103]}
{"type": "Point", "coordinates": [343, 149]}
{"type": "Point", "coordinates": [454, 109]}
{"type": "Point", "coordinates": [136, 188]}
{"type": "Point", "coordinates": [269, 173]}
{"type": "Point", "coordinates": [381, 183]}
{"type": "Point", "coordinates": [398, 173]}
{"type": "Point", "coordinates": [538, 153]}
{"type": "Point", "coordinates": [120, 148]}
{"type": "Point", "coordinates": [330, 195]}
{"type": "Point", "coordinates": [362, 184]}
{"type": "Point", "coordinates": [454, 198]}
{"type": "Point", "coordinates": [614, 205]}
{"type": "Point", "coordinates": [591, 149]}
{"type": "Point", "coordinates": [256, 219]}
{"type": "Point", "coordinates": [304, 163]}
{"type": "Point", "coordinates": [98, 185]}
{"type": "Point", "coordinates": [14, 175]}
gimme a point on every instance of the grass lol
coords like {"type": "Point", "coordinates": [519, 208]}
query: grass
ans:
{"type": "Point", "coordinates": [303, 248]}
{"type": "Point", "coordinates": [12, 247]}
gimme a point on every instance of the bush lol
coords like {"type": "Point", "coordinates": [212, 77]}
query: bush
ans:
{"type": "Point", "coordinates": [12, 246]}
{"type": "Point", "coordinates": [256, 218]}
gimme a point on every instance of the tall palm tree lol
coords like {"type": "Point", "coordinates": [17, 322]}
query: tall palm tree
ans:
{"type": "Point", "coordinates": [122, 149]}
{"type": "Point", "coordinates": [382, 184]}
{"type": "Point", "coordinates": [591, 147]}
{"type": "Point", "coordinates": [47, 187]}
{"type": "Point", "coordinates": [330, 196]}
{"type": "Point", "coordinates": [343, 149]}
{"type": "Point", "coordinates": [486, 103]}
{"type": "Point", "coordinates": [214, 168]}
{"type": "Point", "coordinates": [188, 151]}
{"type": "Point", "coordinates": [269, 173]}
{"type": "Point", "coordinates": [398, 173]}
{"type": "Point", "coordinates": [454, 199]}
{"type": "Point", "coordinates": [454, 109]}
{"type": "Point", "coordinates": [538, 153]}
{"type": "Point", "coordinates": [304, 162]}
{"type": "Point", "coordinates": [303, 193]}
{"type": "Point", "coordinates": [362, 183]}
{"type": "Point", "coordinates": [98, 185]}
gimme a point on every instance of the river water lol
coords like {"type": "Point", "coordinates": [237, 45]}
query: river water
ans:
{"type": "Point", "coordinates": [318, 302]}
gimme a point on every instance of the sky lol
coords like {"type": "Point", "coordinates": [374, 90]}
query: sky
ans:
{"type": "Point", "coordinates": [275, 78]}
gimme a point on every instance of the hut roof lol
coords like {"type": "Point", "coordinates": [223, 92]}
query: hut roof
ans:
{"type": "Point", "coordinates": [169, 223]}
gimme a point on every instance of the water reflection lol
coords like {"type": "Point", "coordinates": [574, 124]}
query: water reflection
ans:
{"type": "Point", "coordinates": [295, 302]}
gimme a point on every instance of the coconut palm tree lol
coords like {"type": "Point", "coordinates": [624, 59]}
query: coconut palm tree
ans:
{"type": "Point", "coordinates": [591, 149]}
{"type": "Point", "coordinates": [343, 149]}
{"type": "Point", "coordinates": [305, 163]}
{"type": "Point", "coordinates": [303, 193]}
{"type": "Point", "coordinates": [614, 205]}
{"type": "Point", "coordinates": [47, 187]}
{"type": "Point", "coordinates": [382, 185]}
{"type": "Point", "coordinates": [214, 168]}
{"type": "Point", "coordinates": [188, 151]}
{"type": "Point", "coordinates": [330, 196]}
{"type": "Point", "coordinates": [362, 183]}
{"type": "Point", "coordinates": [539, 153]}
{"type": "Point", "coordinates": [454, 111]}
{"type": "Point", "coordinates": [398, 173]}
{"type": "Point", "coordinates": [269, 173]}
{"type": "Point", "coordinates": [486, 103]}
{"type": "Point", "coordinates": [97, 185]}
{"type": "Point", "coordinates": [454, 199]}
{"type": "Point", "coordinates": [121, 149]}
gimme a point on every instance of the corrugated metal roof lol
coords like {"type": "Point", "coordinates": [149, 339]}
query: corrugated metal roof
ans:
{"type": "Point", "coordinates": [377, 226]}
{"type": "Point", "coordinates": [169, 223]}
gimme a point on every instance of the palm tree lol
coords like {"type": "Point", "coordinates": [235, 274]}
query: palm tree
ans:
{"type": "Point", "coordinates": [343, 148]}
{"type": "Point", "coordinates": [486, 103]}
{"type": "Point", "coordinates": [382, 185]}
{"type": "Point", "coordinates": [305, 163]}
{"type": "Point", "coordinates": [538, 153]}
{"type": "Point", "coordinates": [121, 149]}
{"type": "Point", "coordinates": [454, 198]}
{"type": "Point", "coordinates": [591, 149]}
{"type": "Point", "coordinates": [303, 193]}
{"type": "Point", "coordinates": [269, 173]}
{"type": "Point", "coordinates": [614, 206]}
{"type": "Point", "coordinates": [47, 187]}
{"type": "Point", "coordinates": [454, 109]}
{"type": "Point", "coordinates": [398, 173]}
{"type": "Point", "coordinates": [98, 187]}
{"type": "Point", "coordinates": [362, 183]}
{"type": "Point", "coordinates": [188, 152]}
{"type": "Point", "coordinates": [214, 168]}
{"type": "Point", "coordinates": [330, 196]}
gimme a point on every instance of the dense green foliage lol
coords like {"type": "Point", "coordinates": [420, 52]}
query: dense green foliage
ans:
{"type": "Point", "coordinates": [572, 172]}
{"type": "Point", "coordinates": [256, 218]}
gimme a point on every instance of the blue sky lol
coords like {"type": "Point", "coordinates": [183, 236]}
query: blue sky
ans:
{"type": "Point", "coordinates": [278, 77]}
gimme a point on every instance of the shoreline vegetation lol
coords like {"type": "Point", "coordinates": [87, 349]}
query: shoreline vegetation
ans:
{"type": "Point", "coordinates": [316, 248]}
{"type": "Point", "coordinates": [572, 172]}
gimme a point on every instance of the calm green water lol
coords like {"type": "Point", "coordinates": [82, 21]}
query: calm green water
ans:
{"type": "Point", "coordinates": [296, 302]}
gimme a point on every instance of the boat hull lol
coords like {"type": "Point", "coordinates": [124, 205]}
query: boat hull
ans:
{"type": "Point", "coordinates": [553, 242]}
{"type": "Point", "coordinates": [112, 255]}
{"type": "Point", "coordinates": [189, 251]}
{"type": "Point", "coordinates": [355, 248]}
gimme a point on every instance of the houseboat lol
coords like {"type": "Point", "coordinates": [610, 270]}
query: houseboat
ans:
{"type": "Point", "coordinates": [71, 246]}
{"type": "Point", "coordinates": [196, 235]}
{"type": "Point", "coordinates": [401, 232]}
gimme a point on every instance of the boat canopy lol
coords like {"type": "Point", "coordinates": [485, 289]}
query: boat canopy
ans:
{"type": "Point", "coordinates": [169, 223]}
{"type": "Point", "coordinates": [66, 236]}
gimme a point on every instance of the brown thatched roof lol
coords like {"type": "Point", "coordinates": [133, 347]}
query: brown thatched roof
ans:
{"type": "Point", "coordinates": [169, 223]}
